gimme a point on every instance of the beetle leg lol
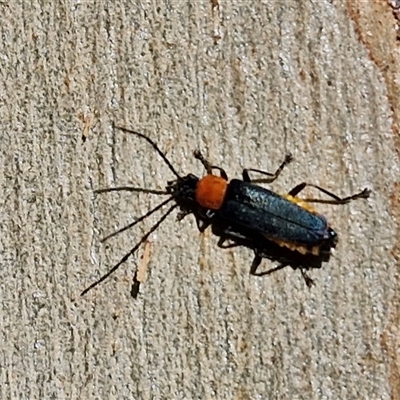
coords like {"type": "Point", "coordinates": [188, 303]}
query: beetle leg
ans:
{"type": "Point", "coordinates": [202, 225]}
{"type": "Point", "coordinates": [207, 165]}
{"type": "Point", "coordinates": [222, 245]}
{"type": "Point", "coordinates": [364, 194]}
{"type": "Point", "coordinates": [307, 279]}
{"type": "Point", "coordinates": [256, 263]}
{"type": "Point", "coordinates": [272, 177]}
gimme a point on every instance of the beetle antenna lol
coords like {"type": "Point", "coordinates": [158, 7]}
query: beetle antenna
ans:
{"type": "Point", "coordinates": [132, 224]}
{"type": "Point", "coordinates": [155, 147]}
{"type": "Point", "coordinates": [130, 189]}
{"type": "Point", "coordinates": [132, 251]}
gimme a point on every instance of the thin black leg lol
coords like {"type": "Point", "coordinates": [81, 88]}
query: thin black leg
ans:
{"type": "Point", "coordinates": [197, 154]}
{"type": "Point", "coordinates": [272, 177]}
{"type": "Point", "coordinates": [364, 194]}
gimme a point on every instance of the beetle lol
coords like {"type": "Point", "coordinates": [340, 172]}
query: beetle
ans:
{"type": "Point", "coordinates": [285, 228]}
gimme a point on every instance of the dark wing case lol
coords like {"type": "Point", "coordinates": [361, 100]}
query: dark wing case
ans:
{"type": "Point", "coordinates": [264, 212]}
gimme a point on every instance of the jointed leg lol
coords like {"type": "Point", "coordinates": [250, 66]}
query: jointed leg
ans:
{"type": "Point", "coordinates": [272, 177]}
{"type": "Point", "coordinates": [197, 154]}
{"type": "Point", "coordinates": [257, 261]}
{"type": "Point", "coordinates": [364, 194]}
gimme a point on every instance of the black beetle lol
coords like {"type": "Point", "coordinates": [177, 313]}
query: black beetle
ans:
{"type": "Point", "coordinates": [285, 229]}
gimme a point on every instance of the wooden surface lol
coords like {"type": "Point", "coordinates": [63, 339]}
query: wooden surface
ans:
{"type": "Point", "coordinates": [245, 82]}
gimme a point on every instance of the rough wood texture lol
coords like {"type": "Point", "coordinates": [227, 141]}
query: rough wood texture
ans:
{"type": "Point", "coordinates": [245, 83]}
